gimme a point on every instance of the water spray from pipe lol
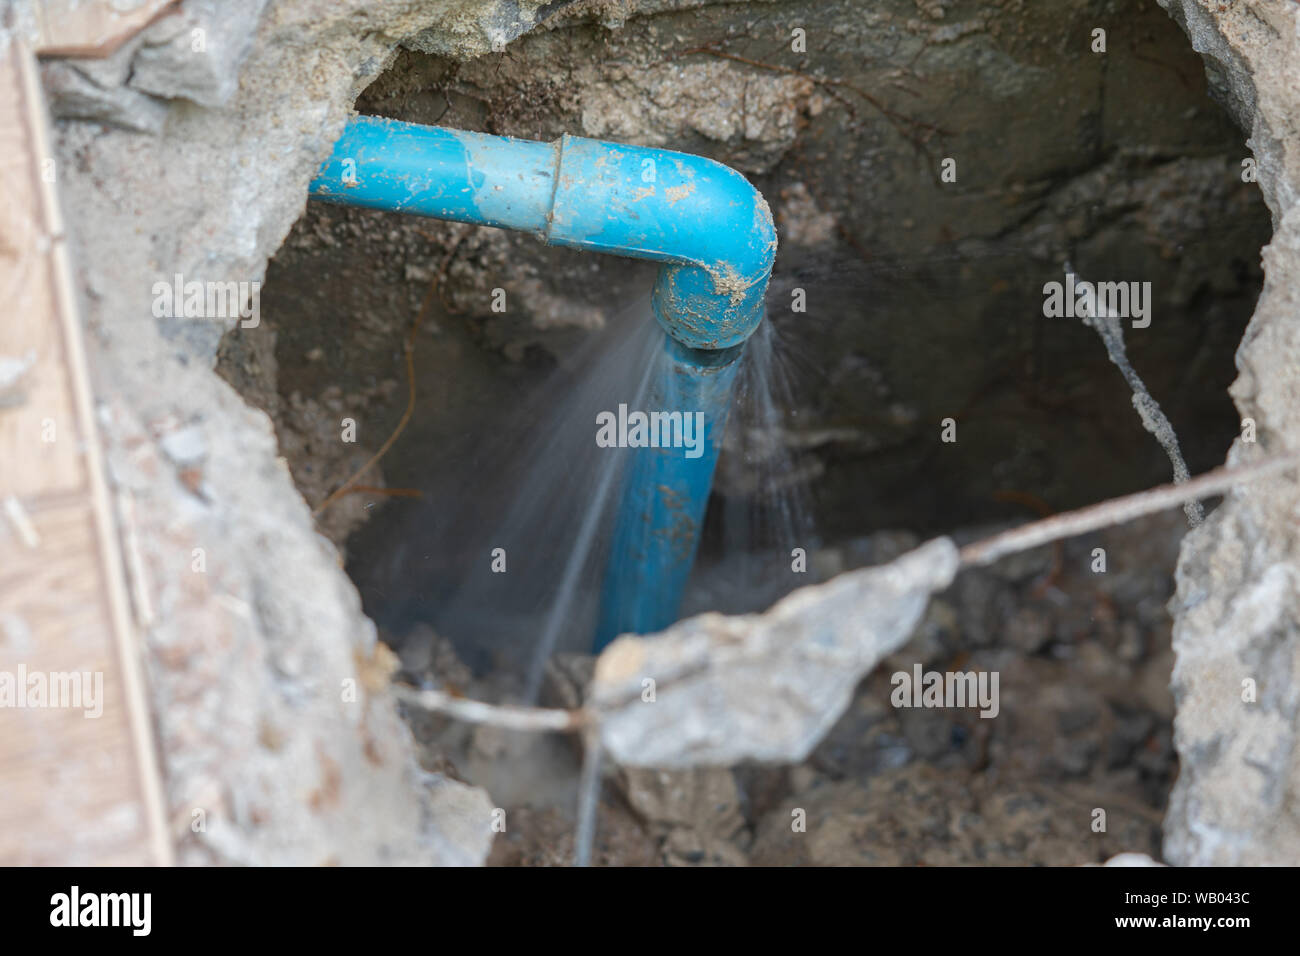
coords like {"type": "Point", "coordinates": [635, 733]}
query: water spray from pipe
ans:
{"type": "Point", "coordinates": [708, 227]}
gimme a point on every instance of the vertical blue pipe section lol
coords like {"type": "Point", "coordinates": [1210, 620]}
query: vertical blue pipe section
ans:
{"type": "Point", "coordinates": [664, 497]}
{"type": "Point", "coordinates": [710, 229]}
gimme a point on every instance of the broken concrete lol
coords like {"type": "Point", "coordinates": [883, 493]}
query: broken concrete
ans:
{"type": "Point", "coordinates": [1237, 610]}
{"type": "Point", "coordinates": [722, 690]}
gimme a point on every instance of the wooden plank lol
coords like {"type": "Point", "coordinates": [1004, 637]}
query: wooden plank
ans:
{"type": "Point", "coordinates": [40, 447]}
{"type": "Point", "coordinates": [78, 28]}
{"type": "Point", "coordinates": [68, 775]}
{"type": "Point", "coordinates": [79, 782]}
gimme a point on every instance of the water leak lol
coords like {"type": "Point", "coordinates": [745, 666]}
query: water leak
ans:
{"type": "Point", "coordinates": [505, 553]}
{"type": "Point", "coordinates": [761, 511]}
{"type": "Point", "coordinates": [508, 542]}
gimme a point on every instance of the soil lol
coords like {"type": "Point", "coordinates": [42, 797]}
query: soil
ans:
{"type": "Point", "coordinates": [1085, 724]}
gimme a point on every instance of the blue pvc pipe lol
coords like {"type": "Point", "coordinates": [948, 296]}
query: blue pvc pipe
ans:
{"type": "Point", "coordinates": [441, 173]}
{"type": "Point", "coordinates": [702, 218]}
{"type": "Point", "coordinates": [709, 227]}
{"type": "Point", "coordinates": [665, 494]}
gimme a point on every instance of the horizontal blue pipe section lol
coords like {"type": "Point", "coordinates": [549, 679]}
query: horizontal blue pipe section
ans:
{"type": "Point", "coordinates": [441, 173]}
{"type": "Point", "coordinates": [703, 220]}
{"type": "Point", "coordinates": [710, 229]}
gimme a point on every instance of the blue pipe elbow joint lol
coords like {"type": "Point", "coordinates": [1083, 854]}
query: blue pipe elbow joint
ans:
{"type": "Point", "coordinates": [712, 230]}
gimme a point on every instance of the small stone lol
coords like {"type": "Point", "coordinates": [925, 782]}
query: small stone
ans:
{"type": "Point", "coordinates": [186, 446]}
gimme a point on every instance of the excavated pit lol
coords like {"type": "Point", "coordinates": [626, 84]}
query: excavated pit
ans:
{"type": "Point", "coordinates": [175, 161]}
{"type": "Point", "coordinates": [924, 302]}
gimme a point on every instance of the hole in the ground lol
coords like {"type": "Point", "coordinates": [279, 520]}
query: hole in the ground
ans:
{"type": "Point", "coordinates": [924, 302]}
